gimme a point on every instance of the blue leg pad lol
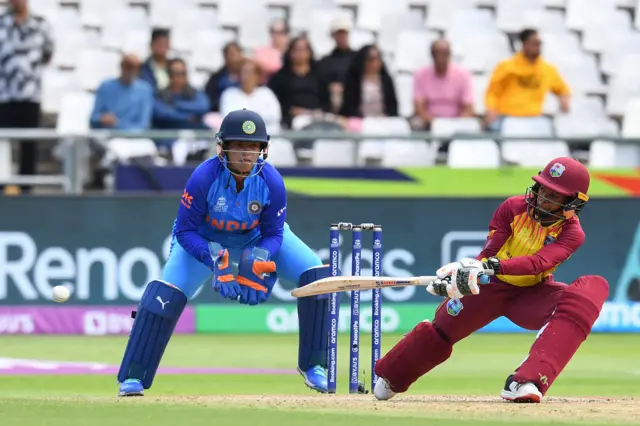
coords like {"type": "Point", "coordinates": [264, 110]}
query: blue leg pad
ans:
{"type": "Point", "coordinates": [313, 322]}
{"type": "Point", "coordinates": [158, 312]}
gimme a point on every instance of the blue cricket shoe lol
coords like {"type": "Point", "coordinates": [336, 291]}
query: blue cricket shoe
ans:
{"type": "Point", "coordinates": [316, 378]}
{"type": "Point", "coordinates": [131, 387]}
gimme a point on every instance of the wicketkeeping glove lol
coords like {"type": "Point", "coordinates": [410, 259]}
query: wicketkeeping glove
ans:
{"type": "Point", "coordinates": [256, 276]}
{"type": "Point", "coordinates": [223, 280]}
{"type": "Point", "coordinates": [459, 279]}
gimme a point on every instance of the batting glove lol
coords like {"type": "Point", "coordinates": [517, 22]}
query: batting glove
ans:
{"type": "Point", "coordinates": [459, 279]}
{"type": "Point", "coordinates": [256, 276]}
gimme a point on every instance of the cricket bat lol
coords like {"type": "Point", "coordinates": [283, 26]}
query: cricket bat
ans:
{"type": "Point", "coordinates": [356, 283]}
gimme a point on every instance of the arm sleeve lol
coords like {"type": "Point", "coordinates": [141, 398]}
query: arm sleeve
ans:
{"type": "Point", "coordinates": [199, 105]}
{"type": "Point", "coordinates": [558, 85]}
{"type": "Point", "coordinates": [192, 213]}
{"type": "Point", "coordinates": [98, 106]}
{"type": "Point", "coordinates": [496, 86]}
{"type": "Point", "coordinates": [48, 45]}
{"type": "Point", "coordinates": [550, 256]}
{"type": "Point", "coordinates": [162, 111]}
{"type": "Point", "coordinates": [143, 118]}
{"type": "Point", "coordinates": [499, 231]}
{"type": "Point", "coordinates": [274, 215]}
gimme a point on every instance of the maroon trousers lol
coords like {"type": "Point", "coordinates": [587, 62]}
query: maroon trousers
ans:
{"type": "Point", "coordinates": [565, 313]}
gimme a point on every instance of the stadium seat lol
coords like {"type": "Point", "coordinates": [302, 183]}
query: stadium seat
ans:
{"type": "Point", "coordinates": [581, 14]}
{"type": "Point", "coordinates": [404, 93]}
{"type": "Point", "coordinates": [473, 154]}
{"type": "Point", "coordinates": [576, 126]}
{"type": "Point", "coordinates": [125, 149]}
{"type": "Point", "coordinates": [440, 12]}
{"type": "Point", "coordinates": [608, 155]}
{"type": "Point", "coordinates": [75, 112]}
{"type": "Point", "coordinates": [509, 13]}
{"type": "Point", "coordinates": [616, 46]}
{"type": "Point", "coordinates": [527, 127]}
{"type": "Point", "coordinates": [404, 153]}
{"type": "Point", "coordinates": [448, 127]}
{"type": "Point", "coordinates": [480, 83]}
{"type": "Point", "coordinates": [631, 123]}
{"type": "Point", "coordinates": [534, 153]}
{"type": "Point", "coordinates": [372, 12]}
{"type": "Point", "coordinates": [333, 153]}
{"type": "Point", "coordinates": [375, 149]}
{"type": "Point", "coordinates": [615, 21]}
{"type": "Point", "coordinates": [394, 24]}
{"type": "Point", "coordinates": [281, 153]}
{"type": "Point", "coordinates": [55, 83]}
{"type": "Point", "coordinates": [95, 66]}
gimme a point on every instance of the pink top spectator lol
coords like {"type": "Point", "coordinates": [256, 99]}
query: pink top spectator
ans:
{"type": "Point", "coordinates": [445, 95]}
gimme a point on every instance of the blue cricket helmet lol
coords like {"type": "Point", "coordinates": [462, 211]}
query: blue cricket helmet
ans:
{"type": "Point", "coordinates": [243, 126]}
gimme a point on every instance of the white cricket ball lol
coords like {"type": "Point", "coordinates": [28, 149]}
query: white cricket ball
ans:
{"type": "Point", "coordinates": [61, 293]}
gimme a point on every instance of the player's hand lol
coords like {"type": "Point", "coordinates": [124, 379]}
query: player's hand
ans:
{"type": "Point", "coordinates": [459, 279]}
{"type": "Point", "coordinates": [223, 279]}
{"type": "Point", "coordinates": [256, 276]}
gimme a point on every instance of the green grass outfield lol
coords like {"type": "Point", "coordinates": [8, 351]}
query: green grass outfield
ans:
{"type": "Point", "coordinates": [600, 386]}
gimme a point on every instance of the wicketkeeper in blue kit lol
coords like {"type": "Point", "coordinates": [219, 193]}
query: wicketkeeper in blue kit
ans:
{"type": "Point", "coordinates": [232, 211]}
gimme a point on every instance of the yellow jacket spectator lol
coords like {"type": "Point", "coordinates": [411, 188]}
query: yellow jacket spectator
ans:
{"type": "Point", "coordinates": [519, 85]}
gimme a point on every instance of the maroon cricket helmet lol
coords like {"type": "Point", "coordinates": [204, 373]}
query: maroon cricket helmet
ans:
{"type": "Point", "coordinates": [566, 176]}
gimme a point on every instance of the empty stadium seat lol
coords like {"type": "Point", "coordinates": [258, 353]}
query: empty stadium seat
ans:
{"type": "Point", "coordinates": [509, 14]}
{"type": "Point", "coordinates": [447, 127]}
{"type": "Point", "coordinates": [631, 123]}
{"type": "Point", "coordinates": [333, 153]}
{"type": "Point", "coordinates": [403, 153]}
{"type": "Point", "coordinates": [473, 154]}
{"type": "Point", "coordinates": [534, 153]}
{"type": "Point", "coordinates": [125, 149]}
{"type": "Point", "coordinates": [608, 155]}
{"type": "Point", "coordinates": [282, 153]}
{"type": "Point", "coordinates": [404, 93]}
{"type": "Point", "coordinates": [375, 149]}
{"type": "Point", "coordinates": [75, 111]}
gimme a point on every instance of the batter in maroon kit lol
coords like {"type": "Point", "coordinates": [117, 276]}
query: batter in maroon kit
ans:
{"type": "Point", "coordinates": [529, 236]}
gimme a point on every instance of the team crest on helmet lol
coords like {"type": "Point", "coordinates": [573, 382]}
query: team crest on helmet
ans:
{"type": "Point", "coordinates": [255, 207]}
{"type": "Point", "coordinates": [249, 127]}
{"type": "Point", "coordinates": [556, 170]}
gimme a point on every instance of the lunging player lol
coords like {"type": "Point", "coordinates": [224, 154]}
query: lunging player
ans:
{"type": "Point", "coordinates": [529, 236]}
{"type": "Point", "coordinates": [232, 212]}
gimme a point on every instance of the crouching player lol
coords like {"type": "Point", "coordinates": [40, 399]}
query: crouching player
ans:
{"type": "Point", "coordinates": [232, 212]}
{"type": "Point", "coordinates": [529, 236]}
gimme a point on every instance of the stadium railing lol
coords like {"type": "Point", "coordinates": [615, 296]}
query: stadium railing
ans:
{"type": "Point", "coordinates": [70, 180]}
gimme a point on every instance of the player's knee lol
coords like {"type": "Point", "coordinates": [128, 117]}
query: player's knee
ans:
{"type": "Point", "coordinates": [163, 299]}
{"type": "Point", "coordinates": [594, 288]}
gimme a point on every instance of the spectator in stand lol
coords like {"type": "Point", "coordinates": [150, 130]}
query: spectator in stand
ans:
{"type": "Point", "coordinates": [125, 102]}
{"type": "Point", "coordinates": [154, 70]}
{"type": "Point", "coordinates": [227, 76]}
{"type": "Point", "coordinates": [252, 96]}
{"type": "Point", "coordinates": [368, 88]}
{"type": "Point", "coordinates": [298, 85]}
{"type": "Point", "coordinates": [269, 58]}
{"type": "Point", "coordinates": [519, 85]}
{"type": "Point", "coordinates": [334, 66]}
{"type": "Point", "coordinates": [443, 89]}
{"type": "Point", "coordinates": [179, 106]}
{"type": "Point", "coordinates": [26, 45]}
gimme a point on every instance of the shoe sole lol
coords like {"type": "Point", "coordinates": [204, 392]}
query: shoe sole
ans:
{"type": "Point", "coordinates": [310, 385]}
{"type": "Point", "coordinates": [140, 393]}
{"type": "Point", "coordinates": [527, 398]}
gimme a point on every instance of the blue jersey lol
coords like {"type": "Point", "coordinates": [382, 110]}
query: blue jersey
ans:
{"type": "Point", "coordinates": [211, 209]}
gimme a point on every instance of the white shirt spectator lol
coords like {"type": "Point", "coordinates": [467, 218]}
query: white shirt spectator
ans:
{"type": "Point", "coordinates": [23, 50]}
{"type": "Point", "coordinates": [262, 100]}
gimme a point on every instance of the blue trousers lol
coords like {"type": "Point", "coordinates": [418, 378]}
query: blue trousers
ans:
{"type": "Point", "coordinates": [188, 274]}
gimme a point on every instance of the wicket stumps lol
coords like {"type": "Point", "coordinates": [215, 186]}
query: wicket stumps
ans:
{"type": "Point", "coordinates": [334, 305]}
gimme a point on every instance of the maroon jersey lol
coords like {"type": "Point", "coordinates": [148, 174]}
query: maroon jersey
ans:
{"type": "Point", "coordinates": [528, 251]}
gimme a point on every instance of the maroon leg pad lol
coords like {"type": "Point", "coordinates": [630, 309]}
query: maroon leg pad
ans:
{"type": "Point", "coordinates": [576, 312]}
{"type": "Point", "coordinates": [418, 352]}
